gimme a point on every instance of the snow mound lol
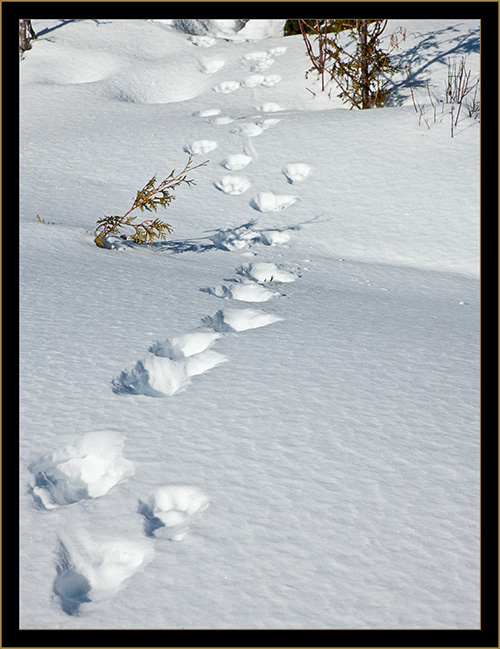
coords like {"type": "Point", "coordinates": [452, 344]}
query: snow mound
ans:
{"type": "Point", "coordinates": [266, 272]}
{"type": "Point", "coordinates": [153, 84]}
{"type": "Point", "coordinates": [239, 320]}
{"type": "Point", "coordinates": [171, 509]}
{"type": "Point", "coordinates": [87, 470]}
{"type": "Point", "coordinates": [61, 65]}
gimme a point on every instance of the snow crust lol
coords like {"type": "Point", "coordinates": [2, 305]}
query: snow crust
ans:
{"type": "Point", "coordinates": [288, 386]}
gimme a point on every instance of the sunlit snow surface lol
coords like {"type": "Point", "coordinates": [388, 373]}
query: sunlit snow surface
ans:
{"type": "Point", "coordinates": [288, 386]}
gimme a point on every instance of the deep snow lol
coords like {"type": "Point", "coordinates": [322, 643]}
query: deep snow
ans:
{"type": "Point", "coordinates": [271, 420]}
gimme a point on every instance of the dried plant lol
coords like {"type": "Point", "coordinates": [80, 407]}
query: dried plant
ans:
{"type": "Point", "coordinates": [363, 75]}
{"type": "Point", "coordinates": [459, 87]}
{"type": "Point", "coordinates": [151, 197]}
{"type": "Point", "coordinates": [40, 220]}
{"type": "Point", "coordinates": [461, 92]}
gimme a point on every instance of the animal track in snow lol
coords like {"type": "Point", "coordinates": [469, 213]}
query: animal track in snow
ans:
{"type": "Point", "coordinates": [271, 202]}
{"type": "Point", "coordinates": [202, 41]}
{"type": "Point", "coordinates": [270, 107]}
{"type": "Point", "coordinates": [233, 185]}
{"type": "Point", "coordinates": [265, 272]}
{"type": "Point", "coordinates": [170, 367]}
{"type": "Point", "coordinates": [277, 51]}
{"type": "Point", "coordinates": [245, 236]}
{"type": "Point", "coordinates": [236, 238]}
{"type": "Point", "coordinates": [95, 568]}
{"type": "Point", "coordinates": [254, 80]}
{"type": "Point", "coordinates": [260, 66]}
{"type": "Point", "coordinates": [224, 119]}
{"type": "Point", "coordinates": [274, 237]}
{"type": "Point", "coordinates": [244, 291]}
{"type": "Point", "coordinates": [184, 346]}
{"type": "Point", "coordinates": [253, 129]}
{"type": "Point", "coordinates": [209, 112]}
{"type": "Point", "coordinates": [110, 561]}
{"type": "Point", "coordinates": [210, 66]}
{"type": "Point", "coordinates": [296, 172]}
{"type": "Point", "coordinates": [70, 586]}
{"type": "Point", "coordinates": [89, 469]}
{"type": "Point", "coordinates": [270, 80]}
{"type": "Point", "coordinates": [256, 56]}
{"type": "Point", "coordinates": [260, 61]}
{"type": "Point", "coordinates": [200, 146]}
{"type": "Point", "coordinates": [225, 87]}
{"type": "Point", "coordinates": [213, 113]}
{"type": "Point", "coordinates": [168, 511]}
{"type": "Point", "coordinates": [249, 130]}
{"type": "Point", "coordinates": [236, 162]}
{"type": "Point", "coordinates": [230, 320]}
{"type": "Point", "coordinates": [270, 121]}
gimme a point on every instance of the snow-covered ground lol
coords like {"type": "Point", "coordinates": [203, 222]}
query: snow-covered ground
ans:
{"type": "Point", "coordinates": [270, 420]}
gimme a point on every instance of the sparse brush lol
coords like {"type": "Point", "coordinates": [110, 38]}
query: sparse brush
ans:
{"type": "Point", "coordinates": [461, 90]}
{"type": "Point", "coordinates": [459, 87]}
{"type": "Point", "coordinates": [151, 197]}
{"type": "Point", "coordinates": [362, 75]}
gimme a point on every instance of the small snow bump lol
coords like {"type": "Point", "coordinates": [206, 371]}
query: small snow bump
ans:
{"type": "Point", "coordinates": [236, 162]}
{"type": "Point", "coordinates": [200, 147]}
{"type": "Point", "coordinates": [226, 87]}
{"type": "Point", "coordinates": [239, 320]}
{"type": "Point", "coordinates": [209, 112]}
{"type": "Point", "coordinates": [233, 185]}
{"type": "Point", "coordinates": [297, 172]}
{"type": "Point", "coordinates": [271, 202]}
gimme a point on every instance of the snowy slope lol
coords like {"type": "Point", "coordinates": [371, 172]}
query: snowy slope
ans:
{"type": "Point", "coordinates": [271, 419]}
